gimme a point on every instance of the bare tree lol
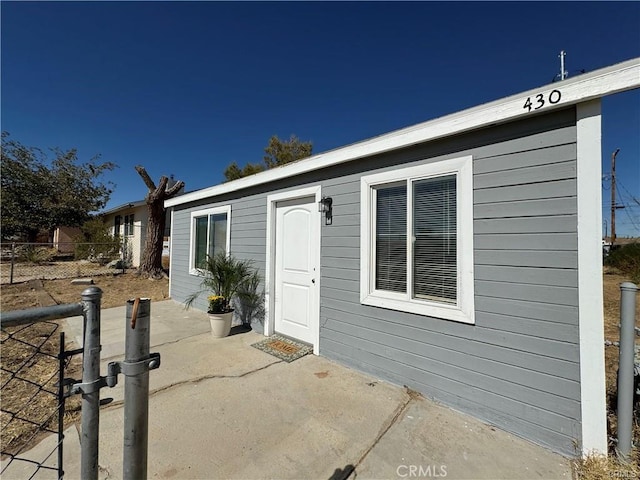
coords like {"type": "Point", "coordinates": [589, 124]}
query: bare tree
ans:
{"type": "Point", "coordinates": [151, 261]}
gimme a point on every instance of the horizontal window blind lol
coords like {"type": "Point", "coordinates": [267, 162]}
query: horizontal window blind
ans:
{"type": "Point", "coordinates": [391, 238]}
{"type": "Point", "coordinates": [434, 239]}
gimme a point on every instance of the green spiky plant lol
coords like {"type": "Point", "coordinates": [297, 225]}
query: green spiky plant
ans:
{"type": "Point", "coordinates": [224, 276]}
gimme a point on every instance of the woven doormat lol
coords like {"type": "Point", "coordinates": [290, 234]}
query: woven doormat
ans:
{"type": "Point", "coordinates": [283, 348]}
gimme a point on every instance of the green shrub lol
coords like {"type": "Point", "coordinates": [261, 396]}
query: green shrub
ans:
{"type": "Point", "coordinates": [34, 254]}
{"type": "Point", "coordinates": [626, 258]}
{"type": "Point", "coordinates": [96, 244]}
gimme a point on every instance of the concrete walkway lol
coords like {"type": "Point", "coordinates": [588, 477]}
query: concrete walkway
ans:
{"type": "Point", "coordinates": [222, 409]}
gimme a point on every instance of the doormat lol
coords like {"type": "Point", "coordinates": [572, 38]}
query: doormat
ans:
{"type": "Point", "coordinates": [283, 348]}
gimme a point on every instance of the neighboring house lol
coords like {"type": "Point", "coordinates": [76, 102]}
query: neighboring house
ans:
{"type": "Point", "coordinates": [130, 222]}
{"type": "Point", "coordinates": [461, 257]}
{"type": "Point", "coordinates": [64, 238]}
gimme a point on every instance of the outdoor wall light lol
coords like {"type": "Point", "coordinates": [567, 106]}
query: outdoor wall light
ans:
{"type": "Point", "coordinates": [324, 206]}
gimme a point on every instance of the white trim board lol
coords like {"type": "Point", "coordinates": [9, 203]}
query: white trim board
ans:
{"type": "Point", "coordinates": [590, 301]}
{"type": "Point", "coordinates": [617, 78]}
{"type": "Point", "coordinates": [269, 271]}
{"type": "Point", "coordinates": [226, 209]}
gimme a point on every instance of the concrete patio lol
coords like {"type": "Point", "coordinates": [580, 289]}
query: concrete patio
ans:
{"type": "Point", "coordinates": [220, 408]}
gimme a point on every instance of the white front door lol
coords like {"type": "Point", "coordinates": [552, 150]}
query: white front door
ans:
{"type": "Point", "coordinates": [297, 242]}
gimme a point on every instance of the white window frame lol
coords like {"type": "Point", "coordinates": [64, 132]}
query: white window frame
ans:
{"type": "Point", "coordinates": [463, 310]}
{"type": "Point", "coordinates": [202, 213]}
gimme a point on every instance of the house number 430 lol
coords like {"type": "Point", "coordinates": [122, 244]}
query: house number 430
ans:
{"type": "Point", "coordinates": [540, 100]}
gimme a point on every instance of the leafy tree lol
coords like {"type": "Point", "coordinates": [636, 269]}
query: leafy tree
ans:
{"type": "Point", "coordinates": [151, 261]}
{"type": "Point", "coordinates": [96, 242]}
{"type": "Point", "coordinates": [277, 152]}
{"type": "Point", "coordinates": [39, 193]}
{"type": "Point", "coordinates": [233, 172]}
{"type": "Point", "coordinates": [280, 152]}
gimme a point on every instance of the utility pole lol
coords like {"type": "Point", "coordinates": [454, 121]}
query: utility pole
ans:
{"type": "Point", "coordinates": [563, 73]}
{"type": "Point", "coordinates": [613, 196]}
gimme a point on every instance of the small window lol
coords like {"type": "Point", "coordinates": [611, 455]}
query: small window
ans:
{"type": "Point", "coordinates": [210, 234]}
{"type": "Point", "coordinates": [116, 225]}
{"type": "Point", "coordinates": [417, 240]}
{"type": "Point", "coordinates": [128, 225]}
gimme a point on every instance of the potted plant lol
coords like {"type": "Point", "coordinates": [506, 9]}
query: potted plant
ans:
{"type": "Point", "coordinates": [225, 279]}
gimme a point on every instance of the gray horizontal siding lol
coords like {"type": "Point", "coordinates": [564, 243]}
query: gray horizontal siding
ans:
{"type": "Point", "coordinates": [537, 354]}
{"type": "Point", "coordinates": [517, 241]}
{"type": "Point", "coordinates": [518, 366]}
{"type": "Point", "coordinates": [532, 191]}
{"type": "Point", "coordinates": [542, 224]}
{"type": "Point", "coordinates": [540, 276]}
{"type": "Point", "coordinates": [527, 258]}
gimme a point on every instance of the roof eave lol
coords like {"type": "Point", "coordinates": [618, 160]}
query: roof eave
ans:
{"type": "Point", "coordinates": [599, 83]}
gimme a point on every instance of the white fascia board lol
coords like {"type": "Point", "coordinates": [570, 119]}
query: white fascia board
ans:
{"type": "Point", "coordinates": [590, 297]}
{"type": "Point", "coordinates": [617, 78]}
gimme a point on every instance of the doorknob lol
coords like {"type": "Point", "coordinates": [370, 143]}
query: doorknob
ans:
{"type": "Point", "coordinates": [313, 280]}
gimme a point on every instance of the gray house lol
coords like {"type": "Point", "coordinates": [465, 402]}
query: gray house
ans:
{"type": "Point", "coordinates": [460, 257]}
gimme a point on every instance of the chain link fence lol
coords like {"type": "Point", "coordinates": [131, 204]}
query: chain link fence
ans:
{"type": "Point", "coordinates": [21, 262]}
{"type": "Point", "coordinates": [32, 368]}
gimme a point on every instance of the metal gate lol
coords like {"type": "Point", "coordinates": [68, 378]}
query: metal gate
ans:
{"type": "Point", "coordinates": [34, 400]}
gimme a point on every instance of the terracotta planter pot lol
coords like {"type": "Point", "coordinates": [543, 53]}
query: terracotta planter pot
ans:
{"type": "Point", "coordinates": [220, 324]}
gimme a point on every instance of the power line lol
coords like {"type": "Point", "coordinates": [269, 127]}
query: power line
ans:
{"type": "Point", "coordinates": [626, 211]}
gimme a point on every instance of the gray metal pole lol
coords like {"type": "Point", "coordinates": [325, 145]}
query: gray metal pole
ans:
{"type": "Point", "coordinates": [136, 391]}
{"type": "Point", "coordinates": [90, 421]}
{"type": "Point", "coordinates": [626, 392]}
{"type": "Point", "coordinates": [13, 261]}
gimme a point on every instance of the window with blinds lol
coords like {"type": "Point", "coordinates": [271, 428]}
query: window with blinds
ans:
{"type": "Point", "coordinates": [433, 248]}
{"type": "Point", "coordinates": [391, 238]}
{"type": "Point", "coordinates": [434, 239]}
{"type": "Point", "coordinates": [416, 242]}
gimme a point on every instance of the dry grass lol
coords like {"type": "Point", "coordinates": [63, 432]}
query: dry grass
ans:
{"type": "Point", "coordinates": [28, 354]}
{"type": "Point", "coordinates": [117, 289]}
{"type": "Point", "coordinates": [599, 467]}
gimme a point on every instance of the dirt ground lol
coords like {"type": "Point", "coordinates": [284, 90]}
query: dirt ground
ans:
{"type": "Point", "coordinates": [117, 289]}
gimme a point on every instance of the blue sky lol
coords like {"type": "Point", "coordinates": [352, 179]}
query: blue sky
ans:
{"type": "Point", "coordinates": [187, 88]}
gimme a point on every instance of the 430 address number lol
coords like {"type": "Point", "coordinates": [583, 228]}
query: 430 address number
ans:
{"type": "Point", "coordinates": [540, 100]}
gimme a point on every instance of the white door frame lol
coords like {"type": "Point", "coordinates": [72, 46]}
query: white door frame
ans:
{"type": "Point", "coordinates": [269, 316]}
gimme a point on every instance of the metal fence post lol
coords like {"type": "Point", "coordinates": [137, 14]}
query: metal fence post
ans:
{"type": "Point", "coordinates": [61, 405]}
{"type": "Point", "coordinates": [136, 390]}
{"type": "Point", "coordinates": [626, 392]}
{"type": "Point", "coordinates": [13, 262]}
{"type": "Point", "coordinates": [90, 421]}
